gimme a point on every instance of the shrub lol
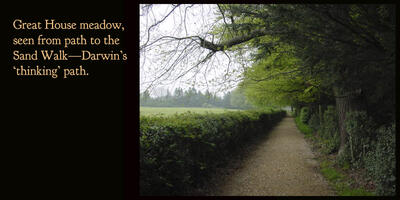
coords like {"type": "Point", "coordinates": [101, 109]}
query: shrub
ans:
{"type": "Point", "coordinates": [344, 158]}
{"type": "Point", "coordinates": [372, 149]}
{"type": "Point", "coordinates": [314, 122]}
{"type": "Point", "coordinates": [338, 181]}
{"type": "Point", "coordinates": [381, 161]}
{"type": "Point", "coordinates": [330, 123]}
{"type": "Point", "coordinates": [304, 115]}
{"type": "Point", "coordinates": [330, 139]}
{"type": "Point", "coordinates": [331, 145]}
{"type": "Point", "coordinates": [178, 151]}
{"type": "Point", "coordinates": [304, 128]}
{"type": "Point", "coordinates": [360, 129]}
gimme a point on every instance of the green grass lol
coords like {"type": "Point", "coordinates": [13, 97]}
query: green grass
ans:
{"type": "Point", "coordinates": [174, 110]}
{"type": "Point", "coordinates": [338, 181]}
{"type": "Point", "coordinates": [330, 173]}
{"type": "Point", "coordinates": [355, 192]}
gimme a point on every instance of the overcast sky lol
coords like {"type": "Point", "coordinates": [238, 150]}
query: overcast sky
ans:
{"type": "Point", "coordinates": [198, 20]}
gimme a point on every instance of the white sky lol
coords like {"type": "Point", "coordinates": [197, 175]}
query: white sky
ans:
{"type": "Point", "coordinates": [199, 20]}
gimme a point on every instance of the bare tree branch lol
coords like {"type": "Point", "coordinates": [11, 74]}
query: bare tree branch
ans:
{"type": "Point", "coordinates": [209, 55]}
{"type": "Point", "coordinates": [235, 40]}
{"type": "Point", "coordinates": [157, 23]}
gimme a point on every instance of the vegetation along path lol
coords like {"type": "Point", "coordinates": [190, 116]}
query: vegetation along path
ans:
{"type": "Point", "coordinates": [282, 165]}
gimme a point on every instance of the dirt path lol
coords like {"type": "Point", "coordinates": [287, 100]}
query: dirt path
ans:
{"type": "Point", "coordinates": [282, 165]}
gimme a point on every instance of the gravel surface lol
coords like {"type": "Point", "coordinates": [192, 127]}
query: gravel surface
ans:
{"type": "Point", "coordinates": [280, 165]}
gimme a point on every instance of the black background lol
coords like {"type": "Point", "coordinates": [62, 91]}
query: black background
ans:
{"type": "Point", "coordinates": [71, 138]}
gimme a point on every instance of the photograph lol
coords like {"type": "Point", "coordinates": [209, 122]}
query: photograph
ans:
{"type": "Point", "coordinates": [267, 99]}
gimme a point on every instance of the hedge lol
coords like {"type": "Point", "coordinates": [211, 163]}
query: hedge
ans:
{"type": "Point", "coordinates": [305, 115]}
{"type": "Point", "coordinates": [177, 152]}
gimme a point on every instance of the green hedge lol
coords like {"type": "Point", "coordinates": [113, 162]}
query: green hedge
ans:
{"type": "Point", "coordinates": [305, 115]}
{"type": "Point", "coordinates": [304, 128]}
{"type": "Point", "coordinates": [177, 152]}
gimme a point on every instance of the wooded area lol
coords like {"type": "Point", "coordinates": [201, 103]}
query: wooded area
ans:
{"type": "Point", "coordinates": [336, 63]}
{"type": "Point", "coordinates": [194, 98]}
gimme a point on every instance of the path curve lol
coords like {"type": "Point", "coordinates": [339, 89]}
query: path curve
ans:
{"type": "Point", "coordinates": [282, 165]}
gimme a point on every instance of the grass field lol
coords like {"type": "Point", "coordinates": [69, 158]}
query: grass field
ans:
{"type": "Point", "coordinates": [173, 110]}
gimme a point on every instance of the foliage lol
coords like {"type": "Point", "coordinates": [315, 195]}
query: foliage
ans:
{"type": "Point", "coordinates": [277, 79]}
{"type": "Point", "coordinates": [330, 139]}
{"type": "Point", "coordinates": [304, 128]}
{"type": "Point", "coordinates": [178, 151]}
{"type": "Point", "coordinates": [306, 52]}
{"type": "Point", "coordinates": [346, 191]}
{"type": "Point", "coordinates": [381, 161]}
{"type": "Point", "coordinates": [329, 172]}
{"type": "Point", "coordinates": [329, 123]}
{"type": "Point", "coordinates": [341, 45]}
{"type": "Point", "coordinates": [372, 149]}
{"type": "Point", "coordinates": [360, 129]}
{"type": "Point", "coordinates": [175, 110]}
{"type": "Point", "coordinates": [305, 115]}
{"type": "Point", "coordinates": [339, 182]}
{"type": "Point", "coordinates": [328, 136]}
{"type": "Point", "coordinates": [314, 122]}
{"type": "Point", "coordinates": [329, 143]}
{"type": "Point", "coordinates": [238, 99]}
{"type": "Point", "coordinates": [194, 98]}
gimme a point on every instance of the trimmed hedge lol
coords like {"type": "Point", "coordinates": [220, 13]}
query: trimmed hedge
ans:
{"type": "Point", "coordinates": [177, 152]}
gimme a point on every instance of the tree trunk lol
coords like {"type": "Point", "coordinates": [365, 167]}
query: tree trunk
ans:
{"type": "Point", "coordinates": [343, 106]}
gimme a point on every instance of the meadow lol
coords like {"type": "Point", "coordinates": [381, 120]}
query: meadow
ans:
{"type": "Point", "coordinates": [144, 110]}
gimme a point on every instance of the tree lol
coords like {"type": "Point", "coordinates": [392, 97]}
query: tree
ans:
{"type": "Point", "coordinates": [172, 41]}
{"type": "Point", "coordinates": [226, 100]}
{"type": "Point", "coordinates": [277, 79]}
{"type": "Point", "coordinates": [239, 100]}
{"type": "Point", "coordinates": [145, 97]}
{"type": "Point", "coordinates": [343, 44]}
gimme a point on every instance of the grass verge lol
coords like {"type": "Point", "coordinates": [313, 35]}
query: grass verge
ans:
{"type": "Point", "coordinates": [339, 181]}
{"type": "Point", "coordinates": [303, 127]}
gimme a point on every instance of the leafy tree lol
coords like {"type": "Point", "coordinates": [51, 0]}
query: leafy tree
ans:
{"type": "Point", "coordinates": [239, 100]}
{"type": "Point", "coordinates": [227, 99]}
{"type": "Point", "coordinates": [345, 46]}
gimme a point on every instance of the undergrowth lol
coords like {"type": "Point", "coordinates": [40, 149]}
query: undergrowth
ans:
{"type": "Point", "coordinates": [339, 181]}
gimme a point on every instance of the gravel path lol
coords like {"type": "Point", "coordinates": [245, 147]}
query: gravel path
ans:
{"type": "Point", "coordinates": [281, 165]}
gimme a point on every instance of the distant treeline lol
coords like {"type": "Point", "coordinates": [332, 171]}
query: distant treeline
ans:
{"type": "Point", "coordinates": [194, 98]}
